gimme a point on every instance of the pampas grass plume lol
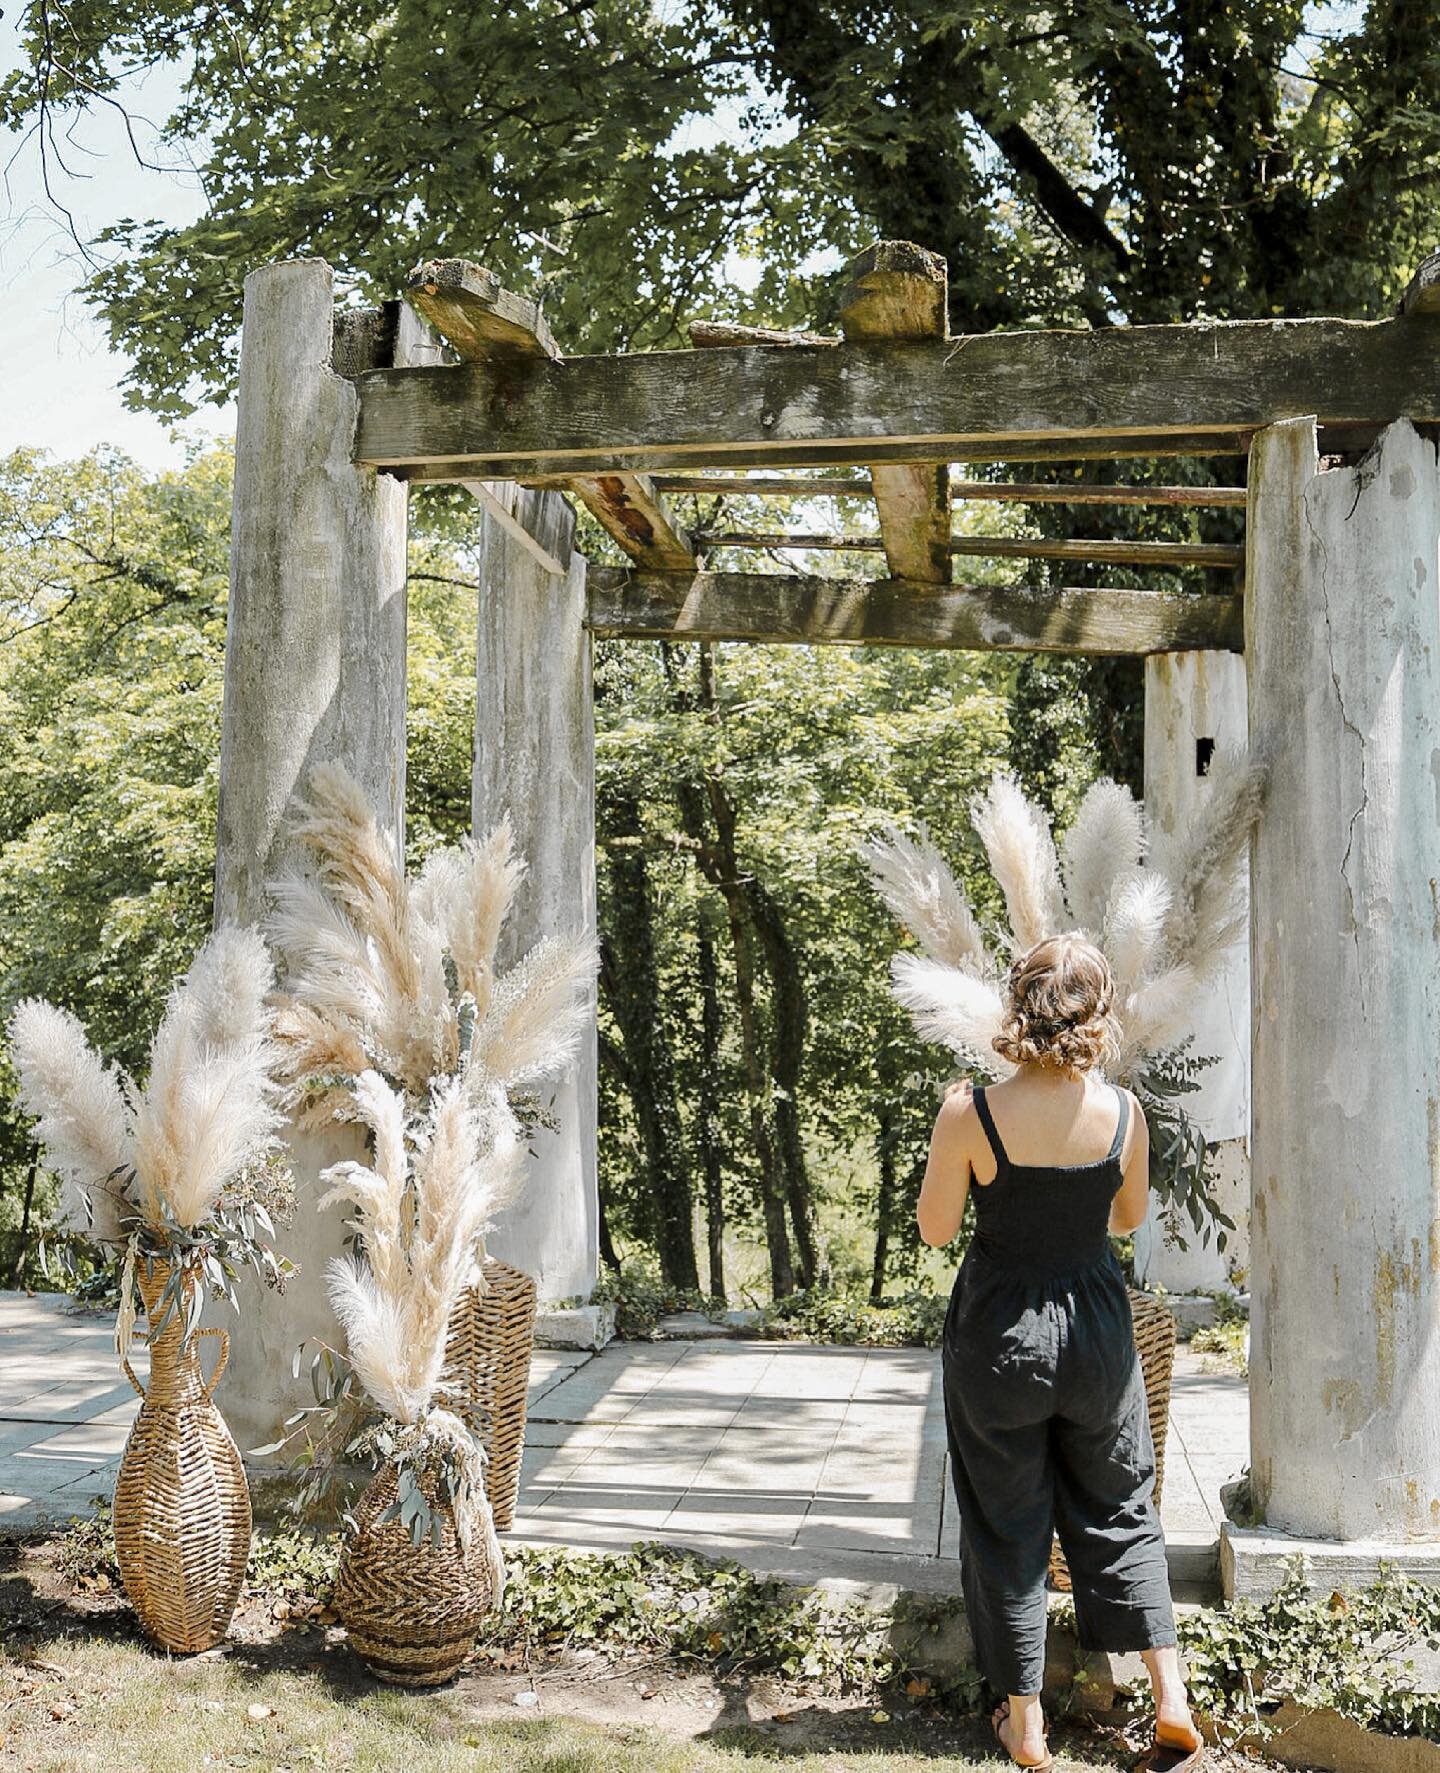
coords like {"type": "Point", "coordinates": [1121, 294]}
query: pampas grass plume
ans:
{"type": "Point", "coordinates": [916, 882]}
{"type": "Point", "coordinates": [1106, 839]}
{"type": "Point", "coordinates": [84, 1118]}
{"type": "Point", "coordinates": [1017, 839]}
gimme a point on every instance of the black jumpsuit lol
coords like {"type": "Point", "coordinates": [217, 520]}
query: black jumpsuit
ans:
{"type": "Point", "coordinates": [1046, 1418]}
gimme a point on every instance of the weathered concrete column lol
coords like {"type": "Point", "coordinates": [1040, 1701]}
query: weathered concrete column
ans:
{"type": "Point", "coordinates": [535, 759]}
{"type": "Point", "coordinates": [314, 669]}
{"type": "Point", "coordinates": [1343, 638]}
{"type": "Point", "coordinates": [1195, 705]}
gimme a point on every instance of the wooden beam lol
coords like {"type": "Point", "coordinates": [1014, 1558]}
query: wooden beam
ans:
{"type": "Point", "coordinates": [633, 513]}
{"type": "Point", "coordinates": [466, 305]}
{"type": "Point", "coordinates": [711, 335]}
{"type": "Point", "coordinates": [999, 492]}
{"type": "Point", "coordinates": [886, 612]}
{"type": "Point", "coordinates": [1102, 553]}
{"type": "Point", "coordinates": [994, 397]}
{"type": "Point", "coordinates": [896, 290]}
{"type": "Point", "coordinates": [1422, 293]}
{"type": "Point", "coordinates": [494, 500]}
{"type": "Point", "coordinates": [488, 325]}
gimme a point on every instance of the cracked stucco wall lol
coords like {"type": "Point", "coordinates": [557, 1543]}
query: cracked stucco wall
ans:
{"type": "Point", "coordinates": [1343, 653]}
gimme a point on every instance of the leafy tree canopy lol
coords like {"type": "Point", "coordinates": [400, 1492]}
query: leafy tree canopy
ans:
{"type": "Point", "coordinates": [1116, 159]}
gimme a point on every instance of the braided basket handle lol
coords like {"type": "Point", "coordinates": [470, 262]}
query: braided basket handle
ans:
{"type": "Point", "coordinates": [214, 1378]}
{"type": "Point", "coordinates": [220, 1365]}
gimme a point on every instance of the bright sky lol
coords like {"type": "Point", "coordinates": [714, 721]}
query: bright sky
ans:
{"type": "Point", "coordinates": [61, 379]}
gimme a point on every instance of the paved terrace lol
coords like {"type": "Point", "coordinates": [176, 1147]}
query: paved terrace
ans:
{"type": "Point", "coordinates": [802, 1460]}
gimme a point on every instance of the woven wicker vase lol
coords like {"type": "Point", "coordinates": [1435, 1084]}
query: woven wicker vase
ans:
{"type": "Point", "coordinates": [487, 1374]}
{"type": "Point", "coordinates": [411, 1611]}
{"type": "Point", "coordinates": [1155, 1344]}
{"type": "Point", "coordinates": [182, 1506]}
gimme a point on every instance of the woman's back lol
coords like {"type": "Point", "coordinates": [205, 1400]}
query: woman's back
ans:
{"type": "Point", "coordinates": [1050, 1217]}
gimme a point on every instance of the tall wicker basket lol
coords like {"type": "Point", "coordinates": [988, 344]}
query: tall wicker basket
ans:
{"type": "Point", "coordinates": [487, 1374]}
{"type": "Point", "coordinates": [412, 1611]}
{"type": "Point", "coordinates": [1155, 1344]}
{"type": "Point", "coordinates": [182, 1506]}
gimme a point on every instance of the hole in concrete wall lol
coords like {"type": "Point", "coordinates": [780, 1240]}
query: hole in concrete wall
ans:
{"type": "Point", "coordinates": [1204, 752]}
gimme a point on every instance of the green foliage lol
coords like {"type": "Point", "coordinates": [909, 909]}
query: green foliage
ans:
{"type": "Point", "coordinates": [1227, 1339]}
{"type": "Point", "coordinates": [632, 167]}
{"type": "Point", "coordinates": [654, 1598]}
{"type": "Point", "coordinates": [641, 1298]}
{"type": "Point", "coordinates": [290, 1564]}
{"type": "Point", "coordinates": [913, 1320]}
{"type": "Point", "coordinates": [1346, 1651]}
{"type": "Point", "coordinates": [85, 1552]}
{"type": "Point", "coordinates": [1180, 1160]}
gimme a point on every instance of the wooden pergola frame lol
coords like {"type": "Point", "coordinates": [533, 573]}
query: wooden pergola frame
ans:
{"type": "Point", "coordinates": [896, 396]}
{"type": "Point", "coordinates": [1336, 615]}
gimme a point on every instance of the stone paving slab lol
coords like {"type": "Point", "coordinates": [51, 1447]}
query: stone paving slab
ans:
{"type": "Point", "coordinates": [809, 1462]}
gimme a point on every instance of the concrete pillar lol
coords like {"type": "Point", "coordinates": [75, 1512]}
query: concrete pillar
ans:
{"type": "Point", "coordinates": [1343, 643]}
{"type": "Point", "coordinates": [535, 759]}
{"type": "Point", "coordinates": [314, 669]}
{"type": "Point", "coordinates": [1194, 705]}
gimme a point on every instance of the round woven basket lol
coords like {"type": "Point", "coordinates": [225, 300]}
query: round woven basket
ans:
{"type": "Point", "coordinates": [182, 1507]}
{"type": "Point", "coordinates": [411, 1611]}
{"type": "Point", "coordinates": [487, 1374]}
{"type": "Point", "coordinates": [1155, 1344]}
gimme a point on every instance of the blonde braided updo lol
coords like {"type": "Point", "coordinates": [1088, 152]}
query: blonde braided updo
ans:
{"type": "Point", "coordinates": [1058, 1008]}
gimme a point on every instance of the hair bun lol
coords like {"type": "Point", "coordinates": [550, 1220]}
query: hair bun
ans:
{"type": "Point", "coordinates": [1059, 1008]}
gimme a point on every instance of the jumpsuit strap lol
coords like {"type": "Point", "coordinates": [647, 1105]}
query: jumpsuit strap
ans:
{"type": "Point", "coordinates": [987, 1120]}
{"type": "Point", "coordinates": [1118, 1143]}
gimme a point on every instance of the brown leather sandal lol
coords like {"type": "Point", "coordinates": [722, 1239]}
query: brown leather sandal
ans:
{"type": "Point", "coordinates": [1170, 1757]}
{"type": "Point", "coordinates": [997, 1718]}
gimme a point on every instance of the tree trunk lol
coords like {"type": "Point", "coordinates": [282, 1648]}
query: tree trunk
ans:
{"type": "Point", "coordinates": [629, 977]}
{"type": "Point", "coordinates": [720, 868]}
{"type": "Point", "coordinates": [17, 1268]}
{"type": "Point", "coordinates": [707, 1120]}
{"type": "Point", "coordinates": [884, 1201]}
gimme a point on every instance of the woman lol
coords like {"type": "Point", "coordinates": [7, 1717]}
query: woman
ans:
{"type": "Point", "coordinates": [1044, 1402]}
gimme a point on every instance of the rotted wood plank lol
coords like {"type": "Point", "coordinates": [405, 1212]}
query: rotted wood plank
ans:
{"type": "Point", "coordinates": [992, 397]}
{"type": "Point", "coordinates": [812, 611]}
{"type": "Point", "coordinates": [1000, 492]}
{"type": "Point", "coordinates": [1422, 293]}
{"type": "Point", "coordinates": [711, 335]}
{"type": "Point", "coordinates": [467, 305]}
{"type": "Point", "coordinates": [634, 514]}
{"type": "Point", "coordinates": [1102, 553]}
{"type": "Point", "coordinates": [487, 324]}
{"type": "Point", "coordinates": [897, 290]}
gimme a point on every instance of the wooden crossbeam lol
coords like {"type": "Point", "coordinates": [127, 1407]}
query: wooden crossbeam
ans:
{"type": "Point", "coordinates": [1144, 390]}
{"type": "Point", "coordinates": [813, 611]}
{"type": "Point", "coordinates": [467, 306]}
{"type": "Point", "coordinates": [999, 492]}
{"type": "Point", "coordinates": [896, 290]}
{"type": "Point", "coordinates": [711, 335]}
{"type": "Point", "coordinates": [488, 325]}
{"type": "Point", "coordinates": [1103, 553]}
{"type": "Point", "coordinates": [1422, 293]}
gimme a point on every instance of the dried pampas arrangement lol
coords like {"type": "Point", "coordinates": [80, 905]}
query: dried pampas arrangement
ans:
{"type": "Point", "coordinates": [173, 1174]}
{"type": "Point", "coordinates": [1166, 922]}
{"type": "Point", "coordinates": [399, 975]}
{"type": "Point", "coordinates": [150, 1166]}
{"type": "Point", "coordinates": [424, 1560]}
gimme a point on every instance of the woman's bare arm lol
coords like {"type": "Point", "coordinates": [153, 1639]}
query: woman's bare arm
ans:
{"type": "Point", "coordinates": [1132, 1202]}
{"type": "Point", "coordinates": [947, 1174]}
